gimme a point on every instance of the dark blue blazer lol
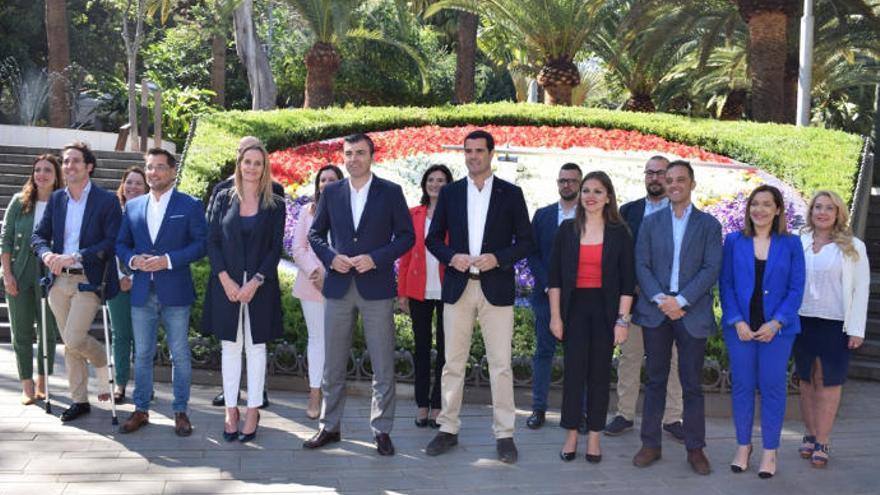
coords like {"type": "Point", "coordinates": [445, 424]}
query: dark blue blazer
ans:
{"type": "Point", "coordinates": [96, 237]}
{"type": "Point", "coordinates": [229, 253]}
{"type": "Point", "coordinates": [181, 236]}
{"type": "Point", "coordinates": [699, 266]}
{"type": "Point", "coordinates": [544, 227]}
{"type": "Point", "coordinates": [632, 214]}
{"type": "Point", "coordinates": [507, 235]}
{"type": "Point", "coordinates": [385, 233]}
{"type": "Point", "coordinates": [783, 281]}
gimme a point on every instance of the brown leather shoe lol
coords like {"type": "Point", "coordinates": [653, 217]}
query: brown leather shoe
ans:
{"type": "Point", "coordinates": [135, 421]}
{"type": "Point", "coordinates": [646, 456]}
{"type": "Point", "coordinates": [182, 426]}
{"type": "Point", "coordinates": [698, 461]}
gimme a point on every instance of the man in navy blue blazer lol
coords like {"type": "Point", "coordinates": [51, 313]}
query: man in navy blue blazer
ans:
{"type": "Point", "coordinates": [545, 223]}
{"type": "Point", "coordinates": [360, 279]}
{"type": "Point", "coordinates": [162, 233]}
{"type": "Point", "coordinates": [487, 224]}
{"type": "Point", "coordinates": [678, 260]}
{"type": "Point", "coordinates": [75, 241]}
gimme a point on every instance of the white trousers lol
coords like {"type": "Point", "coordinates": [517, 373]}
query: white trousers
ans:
{"type": "Point", "coordinates": [231, 364]}
{"type": "Point", "coordinates": [313, 312]}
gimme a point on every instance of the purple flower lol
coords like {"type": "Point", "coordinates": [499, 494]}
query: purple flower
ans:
{"type": "Point", "coordinates": [293, 205]}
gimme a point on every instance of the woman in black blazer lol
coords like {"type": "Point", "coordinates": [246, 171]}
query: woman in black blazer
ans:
{"type": "Point", "coordinates": [244, 298]}
{"type": "Point", "coordinates": [591, 283]}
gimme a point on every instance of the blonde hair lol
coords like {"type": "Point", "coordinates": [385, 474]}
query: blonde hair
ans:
{"type": "Point", "coordinates": [265, 186]}
{"type": "Point", "coordinates": [841, 233]}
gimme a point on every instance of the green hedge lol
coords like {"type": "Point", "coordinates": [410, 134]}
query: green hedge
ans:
{"type": "Point", "coordinates": [806, 158]}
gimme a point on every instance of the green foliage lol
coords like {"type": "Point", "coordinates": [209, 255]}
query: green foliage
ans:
{"type": "Point", "coordinates": [179, 106]}
{"type": "Point", "coordinates": [807, 158]}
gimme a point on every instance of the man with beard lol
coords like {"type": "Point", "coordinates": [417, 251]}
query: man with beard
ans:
{"type": "Point", "coordinates": [629, 364]}
{"type": "Point", "coordinates": [545, 223]}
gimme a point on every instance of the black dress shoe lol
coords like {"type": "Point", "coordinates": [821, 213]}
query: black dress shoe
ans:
{"type": "Point", "coordinates": [441, 443]}
{"type": "Point", "coordinates": [322, 438]}
{"type": "Point", "coordinates": [567, 456]}
{"type": "Point", "coordinates": [219, 400]}
{"type": "Point", "coordinates": [265, 403]}
{"type": "Point", "coordinates": [536, 420]}
{"type": "Point", "coordinates": [384, 445]}
{"type": "Point", "coordinates": [76, 410]}
{"type": "Point", "coordinates": [506, 450]}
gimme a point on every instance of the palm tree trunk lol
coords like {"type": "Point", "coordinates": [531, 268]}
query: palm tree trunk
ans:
{"type": "Point", "coordinates": [218, 68]}
{"type": "Point", "coordinates": [559, 94]}
{"type": "Point", "coordinates": [322, 62]}
{"type": "Point", "coordinates": [735, 105]}
{"type": "Point", "coordinates": [767, 48]}
{"type": "Point", "coordinates": [792, 66]}
{"type": "Point", "coordinates": [59, 60]}
{"type": "Point", "coordinates": [639, 103]}
{"type": "Point", "coordinates": [466, 56]}
{"type": "Point", "coordinates": [250, 51]}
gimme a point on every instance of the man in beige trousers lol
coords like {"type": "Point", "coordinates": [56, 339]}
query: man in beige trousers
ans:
{"type": "Point", "coordinates": [632, 352]}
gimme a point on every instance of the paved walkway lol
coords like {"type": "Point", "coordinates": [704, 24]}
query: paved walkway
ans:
{"type": "Point", "coordinates": [40, 455]}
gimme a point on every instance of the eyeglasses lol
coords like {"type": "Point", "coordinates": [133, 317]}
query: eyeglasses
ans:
{"type": "Point", "coordinates": [655, 173]}
{"type": "Point", "coordinates": [563, 182]}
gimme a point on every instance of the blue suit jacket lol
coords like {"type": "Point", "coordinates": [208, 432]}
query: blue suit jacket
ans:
{"type": "Point", "coordinates": [507, 235]}
{"type": "Point", "coordinates": [182, 237]}
{"type": "Point", "coordinates": [783, 281]}
{"type": "Point", "coordinates": [544, 227]}
{"type": "Point", "coordinates": [385, 232]}
{"type": "Point", "coordinates": [96, 237]}
{"type": "Point", "coordinates": [699, 266]}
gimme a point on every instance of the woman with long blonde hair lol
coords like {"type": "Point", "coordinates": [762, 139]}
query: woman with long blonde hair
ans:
{"type": "Point", "coordinates": [833, 316]}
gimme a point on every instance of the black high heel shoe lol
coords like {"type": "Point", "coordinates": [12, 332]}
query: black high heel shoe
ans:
{"type": "Point", "coordinates": [594, 459]}
{"type": "Point", "coordinates": [736, 468]}
{"type": "Point", "coordinates": [247, 437]}
{"type": "Point", "coordinates": [231, 437]}
{"type": "Point", "coordinates": [567, 456]}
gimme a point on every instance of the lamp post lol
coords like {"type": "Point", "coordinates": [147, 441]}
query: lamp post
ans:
{"type": "Point", "coordinates": [805, 71]}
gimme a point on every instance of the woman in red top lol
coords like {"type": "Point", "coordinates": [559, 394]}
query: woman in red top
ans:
{"type": "Point", "coordinates": [418, 288]}
{"type": "Point", "coordinates": [591, 282]}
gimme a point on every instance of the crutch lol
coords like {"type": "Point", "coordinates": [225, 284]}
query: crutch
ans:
{"type": "Point", "coordinates": [101, 291]}
{"type": "Point", "coordinates": [44, 282]}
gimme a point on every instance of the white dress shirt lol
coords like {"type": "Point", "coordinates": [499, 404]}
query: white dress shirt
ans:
{"type": "Point", "coordinates": [562, 214]}
{"type": "Point", "coordinates": [433, 289]}
{"type": "Point", "coordinates": [76, 210]}
{"type": "Point", "coordinates": [477, 209]}
{"type": "Point", "coordinates": [155, 214]}
{"type": "Point", "coordinates": [359, 200]}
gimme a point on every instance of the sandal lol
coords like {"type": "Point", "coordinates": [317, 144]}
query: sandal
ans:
{"type": "Point", "coordinates": [819, 459]}
{"type": "Point", "coordinates": [807, 445]}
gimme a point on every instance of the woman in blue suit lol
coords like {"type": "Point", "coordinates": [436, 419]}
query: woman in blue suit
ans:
{"type": "Point", "coordinates": [761, 284]}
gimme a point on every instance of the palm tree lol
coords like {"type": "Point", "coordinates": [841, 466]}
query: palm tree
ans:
{"type": "Point", "coordinates": [59, 60]}
{"type": "Point", "coordinates": [553, 32]}
{"type": "Point", "coordinates": [466, 58]}
{"type": "Point", "coordinates": [331, 22]}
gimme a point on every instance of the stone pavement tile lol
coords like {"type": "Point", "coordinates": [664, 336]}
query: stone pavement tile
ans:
{"type": "Point", "coordinates": [180, 476]}
{"type": "Point", "coordinates": [35, 488]}
{"type": "Point", "coordinates": [76, 478]}
{"type": "Point", "coordinates": [237, 486]}
{"type": "Point", "coordinates": [92, 454]}
{"type": "Point", "coordinates": [116, 487]}
{"type": "Point", "coordinates": [88, 466]}
{"type": "Point", "coordinates": [18, 436]}
{"type": "Point", "coordinates": [10, 463]}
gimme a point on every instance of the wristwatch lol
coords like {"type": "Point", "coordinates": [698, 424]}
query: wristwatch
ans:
{"type": "Point", "coordinates": [77, 257]}
{"type": "Point", "coordinates": [259, 278]}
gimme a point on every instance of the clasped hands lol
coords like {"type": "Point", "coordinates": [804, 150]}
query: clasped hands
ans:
{"type": "Point", "coordinates": [57, 262]}
{"type": "Point", "coordinates": [147, 263]}
{"type": "Point", "coordinates": [238, 293]}
{"type": "Point", "coordinates": [361, 263]}
{"type": "Point", "coordinates": [483, 262]}
{"type": "Point", "coordinates": [765, 333]}
{"type": "Point", "coordinates": [670, 307]}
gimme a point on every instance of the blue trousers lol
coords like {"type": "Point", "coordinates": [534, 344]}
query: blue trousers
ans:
{"type": "Point", "coordinates": [758, 366]}
{"type": "Point", "coordinates": [145, 320]}
{"type": "Point", "coordinates": [545, 349]}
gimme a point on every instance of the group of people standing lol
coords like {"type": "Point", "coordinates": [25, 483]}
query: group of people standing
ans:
{"type": "Point", "coordinates": [640, 277]}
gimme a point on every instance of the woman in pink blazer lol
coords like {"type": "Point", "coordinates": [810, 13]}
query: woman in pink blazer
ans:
{"type": "Point", "coordinates": [419, 281]}
{"type": "Point", "coordinates": [309, 282]}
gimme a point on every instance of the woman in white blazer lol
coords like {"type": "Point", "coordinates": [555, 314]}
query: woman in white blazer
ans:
{"type": "Point", "coordinates": [308, 285]}
{"type": "Point", "coordinates": [833, 315]}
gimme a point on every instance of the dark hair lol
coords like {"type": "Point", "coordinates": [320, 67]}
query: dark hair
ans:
{"type": "Point", "coordinates": [610, 213]}
{"type": "Point", "coordinates": [120, 191]}
{"type": "Point", "coordinates": [172, 162]}
{"type": "Point", "coordinates": [358, 137]}
{"type": "Point", "coordinates": [29, 190]}
{"type": "Point", "coordinates": [572, 166]}
{"type": "Point", "coordinates": [681, 163]}
{"type": "Point", "coordinates": [437, 167]}
{"type": "Point", "coordinates": [779, 225]}
{"type": "Point", "coordinates": [481, 134]}
{"type": "Point", "coordinates": [336, 170]}
{"type": "Point", "coordinates": [88, 156]}
{"type": "Point", "coordinates": [658, 157]}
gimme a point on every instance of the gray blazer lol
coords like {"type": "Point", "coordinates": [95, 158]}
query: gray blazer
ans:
{"type": "Point", "coordinates": [699, 267]}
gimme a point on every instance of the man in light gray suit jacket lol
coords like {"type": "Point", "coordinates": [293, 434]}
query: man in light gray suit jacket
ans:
{"type": "Point", "coordinates": [678, 259]}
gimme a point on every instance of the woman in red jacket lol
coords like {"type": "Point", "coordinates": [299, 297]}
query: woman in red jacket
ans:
{"type": "Point", "coordinates": [418, 293]}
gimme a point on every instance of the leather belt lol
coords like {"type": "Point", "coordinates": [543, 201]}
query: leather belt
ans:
{"type": "Point", "coordinates": [473, 276]}
{"type": "Point", "coordinates": [73, 271]}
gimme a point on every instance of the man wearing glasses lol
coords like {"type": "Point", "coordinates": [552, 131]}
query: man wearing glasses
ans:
{"type": "Point", "coordinates": [629, 364]}
{"type": "Point", "coordinates": [545, 223]}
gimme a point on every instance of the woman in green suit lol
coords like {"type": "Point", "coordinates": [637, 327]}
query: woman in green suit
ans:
{"type": "Point", "coordinates": [21, 275]}
{"type": "Point", "coordinates": [134, 184]}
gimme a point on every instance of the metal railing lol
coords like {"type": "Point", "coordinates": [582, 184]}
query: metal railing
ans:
{"type": "Point", "coordinates": [861, 200]}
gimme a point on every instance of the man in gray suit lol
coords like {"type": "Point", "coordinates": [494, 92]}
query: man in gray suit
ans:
{"type": "Point", "coordinates": [678, 258]}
